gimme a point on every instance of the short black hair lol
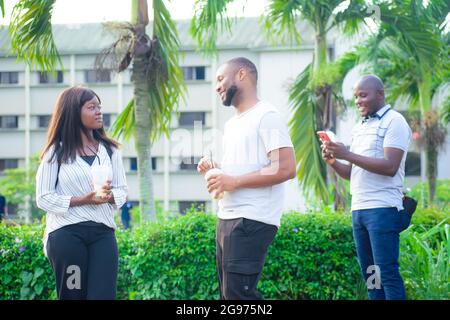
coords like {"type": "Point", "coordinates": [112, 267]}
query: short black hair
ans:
{"type": "Point", "coordinates": [241, 62]}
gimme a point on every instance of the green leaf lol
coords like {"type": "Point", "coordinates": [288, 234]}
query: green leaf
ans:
{"type": "Point", "coordinates": [38, 288]}
{"type": "Point", "coordinates": [168, 90]}
{"type": "Point", "coordinates": [310, 166]}
{"type": "Point", "coordinates": [280, 22]}
{"type": "Point", "coordinates": [209, 19]}
{"type": "Point", "coordinates": [7, 279]}
{"type": "Point", "coordinates": [26, 277]}
{"type": "Point", "coordinates": [38, 273]}
{"type": "Point", "coordinates": [31, 34]}
{"type": "Point", "coordinates": [2, 8]}
{"type": "Point", "coordinates": [124, 125]}
{"type": "Point", "coordinates": [25, 293]}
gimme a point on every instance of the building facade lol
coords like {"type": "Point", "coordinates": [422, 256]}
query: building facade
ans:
{"type": "Point", "coordinates": [27, 98]}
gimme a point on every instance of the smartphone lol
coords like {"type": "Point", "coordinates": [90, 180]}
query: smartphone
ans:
{"type": "Point", "coordinates": [323, 136]}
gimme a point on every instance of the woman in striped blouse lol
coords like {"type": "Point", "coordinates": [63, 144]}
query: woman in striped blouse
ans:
{"type": "Point", "coordinates": [79, 237]}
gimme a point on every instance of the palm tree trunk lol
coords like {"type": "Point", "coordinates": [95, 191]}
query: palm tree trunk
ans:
{"type": "Point", "coordinates": [432, 156]}
{"type": "Point", "coordinates": [320, 51]}
{"type": "Point", "coordinates": [139, 17]}
{"type": "Point", "coordinates": [142, 140]}
{"type": "Point", "coordinates": [324, 98]}
{"type": "Point", "coordinates": [429, 122]}
{"type": "Point", "coordinates": [432, 145]}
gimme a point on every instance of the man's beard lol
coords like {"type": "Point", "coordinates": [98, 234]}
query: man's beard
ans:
{"type": "Point", "coordinates": [229, 95]}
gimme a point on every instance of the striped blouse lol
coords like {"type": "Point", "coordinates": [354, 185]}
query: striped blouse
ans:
{"type": "Point", "coordinates": [75, 180]}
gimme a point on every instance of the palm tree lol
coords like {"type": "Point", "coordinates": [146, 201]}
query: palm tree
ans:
{"type": "Point", "coordinates": [156, 75]}
{"type": "Point", "coordinates": [410, 52]}
{"type": "Point", "coordinates": [316, 93]}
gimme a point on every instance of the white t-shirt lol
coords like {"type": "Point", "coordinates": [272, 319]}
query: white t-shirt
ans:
{"type": "Point", "coordinates": [388, 129]}
{"type": "Point", "coordinates": [248, 138]}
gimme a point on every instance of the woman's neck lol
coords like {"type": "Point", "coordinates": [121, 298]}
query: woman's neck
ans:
{"type": "Point", "coordinates": [88, 140]}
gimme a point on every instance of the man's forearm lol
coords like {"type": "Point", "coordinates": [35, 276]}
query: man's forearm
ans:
{"type": "Point", "coordinates": [376, 165]}
{"type": "Point", "coordinates": [265, 177]}
{"type": "Point", "coordinates": [343, 170]}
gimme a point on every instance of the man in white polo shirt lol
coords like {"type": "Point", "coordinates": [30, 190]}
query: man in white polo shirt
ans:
{"type": "Point", "coordinates": [258, 158]}
{"type": "Point", "coordinates": [376, 171]}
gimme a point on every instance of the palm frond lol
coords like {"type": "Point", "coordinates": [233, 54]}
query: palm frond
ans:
{"type": "Point", "coordinates": [342, 66]}
{"type": "Point", "coordinates": [350, 19]}
{"type": "Point", "coordinates": [2, 8]}
{"type": "Point", "coordinates": [413, 33]}
{"type": "Point", "coordinates": [123, 126]}
{"type": "Point", "coordinates": [31, 34]}
{"type": "Point", "coordinates": [446, 110]}
{"type": "Point", "coordinates": [310, 167]}
{"type": "Point", "coordinates": [280, 22]}
{"type": "Point", "coordinates": [118, 55]}
{"type": "Point", "coordinates": [438, 11]}
{"type": "Point", "coordinates": [209, 19]}
{"type": "Point", "coordinates": [407, 46]}
{"type": "Point", "coordinates": [166, 91]}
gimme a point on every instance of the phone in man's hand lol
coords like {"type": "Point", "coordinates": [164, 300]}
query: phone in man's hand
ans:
{"type": "Point", "coordinates": [326, 136]}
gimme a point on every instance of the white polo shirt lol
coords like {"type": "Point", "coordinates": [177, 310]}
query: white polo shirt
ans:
{"type": "Point", "coordinates": [388, 129]}
{"type": "Point", "coordinates": [248, 138]}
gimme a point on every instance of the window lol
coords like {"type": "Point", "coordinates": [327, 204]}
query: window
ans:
{"type": "Point", "coordinates": [49, 77]}
{"type": "Point", "coordinates": [106, 119]}
{"type": "Point", "coordinates": [188, 119]}
{"type": "Point", "coordinates": [194, 73]}
{"type": "Point", "coordinates": [93, 76]}
{"type": "Point", "coordinates": [44, 121]}
{"type": "Point", "coordinates": [8, 164]}
{"type": "Point", "coordinates": [134, 166]}
{"type": "Point", "coordinates": [412, 164]}
{"type": "Point", "coordinates": [184, 206]}
{"type": "Point", "coordinates": [8, 122]}
{"type": "Point", "coordinates": [189, 164]}
{"type": "Point", "coordinates": [9, 77]}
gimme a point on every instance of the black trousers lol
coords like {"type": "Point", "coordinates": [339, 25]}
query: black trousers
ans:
{"type": "Point", "coordinates": [241, 249]}
{"type": "Point", "coordinates": [84, 258]}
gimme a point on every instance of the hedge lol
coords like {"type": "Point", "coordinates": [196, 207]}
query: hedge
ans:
{"type": "Point", "coordinates": [312, 257]}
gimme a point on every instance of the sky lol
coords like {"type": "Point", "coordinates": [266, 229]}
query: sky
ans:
{"type": "Point", "coordinates": [86, 11]}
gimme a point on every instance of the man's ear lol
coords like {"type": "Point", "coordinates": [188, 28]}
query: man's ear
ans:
{"type": "Point", "coordinates": [242, 73]}
{"type": "Point", "coordinates": [380, 94]}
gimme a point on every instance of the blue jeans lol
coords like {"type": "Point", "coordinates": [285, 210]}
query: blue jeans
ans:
{"type": "Point", "coordinates": [377, 238]}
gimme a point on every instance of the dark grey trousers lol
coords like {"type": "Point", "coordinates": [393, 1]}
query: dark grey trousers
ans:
{"type": "Point", "coordinates": [241, 249]}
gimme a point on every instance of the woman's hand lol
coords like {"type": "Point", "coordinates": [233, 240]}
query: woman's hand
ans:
{"type": "Point", "coordinates": [92, 198]}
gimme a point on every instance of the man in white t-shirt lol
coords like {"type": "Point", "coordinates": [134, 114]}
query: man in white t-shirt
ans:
{"type": "Point", "coordinates": [376, 171]}
{"type": "Point", "coordinates": [258, 158]}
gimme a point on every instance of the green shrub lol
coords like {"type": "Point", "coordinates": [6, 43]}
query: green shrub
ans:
{"type": "Point", "coordinates": [442, 195]}
{"type": "Point", "coordinates": [425, 262]}
{"type": "Point", "coordinates": [312, 257]}
{"type": "Point", "coordinates": [26, 272]}
{"type": "Point", "coordinates": [426, 218]}
{"type": "Point", "coordinates": [174, 259]}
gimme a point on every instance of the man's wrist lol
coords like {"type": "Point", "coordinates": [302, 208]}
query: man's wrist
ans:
{"type": "Point", "coordinates": [348, 157]}
{"type": "Point", "coordinates": [237, 181]}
